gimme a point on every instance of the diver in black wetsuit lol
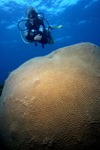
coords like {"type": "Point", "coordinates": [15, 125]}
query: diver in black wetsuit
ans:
{"type": "Point", "coordinates": [36, 31]}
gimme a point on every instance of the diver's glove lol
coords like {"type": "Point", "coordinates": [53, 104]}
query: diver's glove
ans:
{"type": "Point", "coordinates": [38, 37]}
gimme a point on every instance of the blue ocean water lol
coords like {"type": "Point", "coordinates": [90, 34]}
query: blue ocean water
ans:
{"type": "Point", "coordinates": [80, 20]}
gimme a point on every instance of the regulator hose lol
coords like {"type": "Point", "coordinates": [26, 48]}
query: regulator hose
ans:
{"type": "Point", "coordinates": [19, 26]}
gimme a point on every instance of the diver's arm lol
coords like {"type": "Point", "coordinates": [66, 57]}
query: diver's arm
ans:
{"type": "Point", "coordinates": [41, 29]}
{"type": "Point", "coordinates": [38, 37]}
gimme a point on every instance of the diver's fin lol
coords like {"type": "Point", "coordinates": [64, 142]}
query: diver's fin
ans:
{"type": "Point", "coordinates": [56, 27]}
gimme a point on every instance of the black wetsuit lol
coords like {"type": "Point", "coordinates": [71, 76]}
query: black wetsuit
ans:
{"type": "Point", "coordinates": [33, 30]}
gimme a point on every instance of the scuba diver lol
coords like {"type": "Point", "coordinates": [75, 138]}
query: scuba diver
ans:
{"type": "Point", "coordinates": [35, 30]}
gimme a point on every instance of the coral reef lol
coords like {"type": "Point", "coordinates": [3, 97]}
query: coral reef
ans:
{"type": "Point", "coordinates": [53, 102]}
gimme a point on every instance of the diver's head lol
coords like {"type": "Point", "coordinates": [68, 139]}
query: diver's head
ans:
{"type": "Point", "coordinates": [31, 13]}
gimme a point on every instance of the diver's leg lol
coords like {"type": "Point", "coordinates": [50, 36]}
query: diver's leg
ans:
{"type": "Point", "coordinates": [50, 39]}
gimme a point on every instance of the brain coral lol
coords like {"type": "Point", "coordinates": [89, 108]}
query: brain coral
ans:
{"type": "Point", "coordinates": [53, 102]}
